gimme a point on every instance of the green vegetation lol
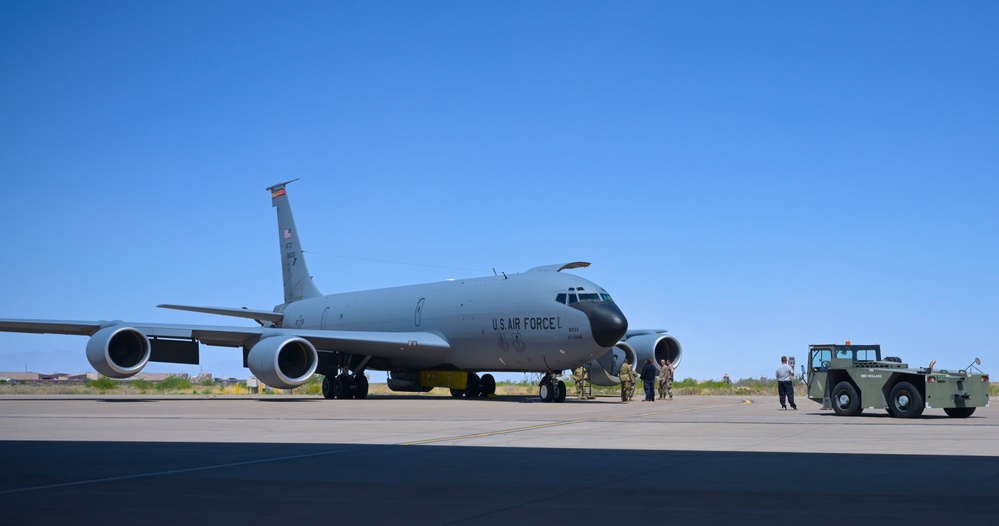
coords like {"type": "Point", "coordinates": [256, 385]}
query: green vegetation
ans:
{"type": "Point", "coordinates": [174, 383]}
{"type": "Point", "coordinates": [314, 386]}
{"type": "Point", "coordinates": [141, 385]}
{"type": "Point", "coordinates": [103, 384]}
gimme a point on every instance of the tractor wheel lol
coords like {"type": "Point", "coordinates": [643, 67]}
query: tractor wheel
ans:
{"type": "Point", "coordinates": [959, 412]}
{"type": "Point", "coordinates": [905, 401]}
{"type": "Point", "coordinates": [845, 400]}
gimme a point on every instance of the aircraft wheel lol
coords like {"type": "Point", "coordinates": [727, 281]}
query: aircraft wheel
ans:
{"type": "Point", "coordinates": [905, 401]}
{"type": "Point", "coordinates": [545, 390]}
{"type": "Point", "coordinates": [487, 387]}
{"type": "Point", "coordinates": [472, 389]}
{"type": "Point", "coordinates": [845, 400]}
{"type": "Point", "coordinates": [327, 388]}
{"type": "Point", "coordinates": [341, 386]}
{"type": "Point", "coordinates": [959, 412]}
{"type": "Point", "coordinates": [559, 395]}
{"type": "Point", "coordinates": [360, 387]}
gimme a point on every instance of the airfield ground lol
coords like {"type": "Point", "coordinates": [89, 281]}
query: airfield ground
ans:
{"type": "Point", "coordinates": [505, 460]}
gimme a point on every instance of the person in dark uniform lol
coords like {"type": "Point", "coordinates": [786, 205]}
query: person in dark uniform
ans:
{"type": "Point", "coordinates": [648, 376]}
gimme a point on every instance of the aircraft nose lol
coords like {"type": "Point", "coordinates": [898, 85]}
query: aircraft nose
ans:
{"type": "Point", "coordinates": [607, 322]}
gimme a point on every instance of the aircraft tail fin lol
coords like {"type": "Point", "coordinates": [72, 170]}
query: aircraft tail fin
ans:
{"type": "Point", "coordinates": [298, 283]}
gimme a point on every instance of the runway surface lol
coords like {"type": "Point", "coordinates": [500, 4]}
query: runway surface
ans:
{"type": "Point", "coordinates": [436, 460]}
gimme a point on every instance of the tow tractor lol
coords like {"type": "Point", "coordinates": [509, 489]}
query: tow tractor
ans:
{"type": "Point", "coordinates": [850, 378]}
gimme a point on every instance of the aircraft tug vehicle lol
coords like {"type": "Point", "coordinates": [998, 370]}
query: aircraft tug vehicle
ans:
{"type": "Point", "coordinates": [850, 378]}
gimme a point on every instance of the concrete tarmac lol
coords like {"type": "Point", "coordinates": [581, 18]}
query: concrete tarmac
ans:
{"type": "Point", "coordinates": [509, 460]}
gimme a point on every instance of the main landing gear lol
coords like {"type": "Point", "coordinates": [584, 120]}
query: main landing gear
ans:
{"type": "Point", "coordinates": [476, 387]}
{"type": "Point", "coordinates": [344, 385]}
{"type": "Point", "coordinates": [551, 389]}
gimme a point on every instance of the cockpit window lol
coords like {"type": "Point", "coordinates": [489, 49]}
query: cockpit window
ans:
{"type": "Point", "coordinates": [571, 297]}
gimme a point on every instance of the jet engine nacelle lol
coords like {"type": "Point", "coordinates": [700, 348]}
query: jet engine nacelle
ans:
{"type": "Point", "coordinates": [659, 347]}
{"type": "Point", "coordinates": [604, 370]}
{"type": "Point", "coordinates": [118, 351]}
{"type": "Point", "coordinates": [283, 362]}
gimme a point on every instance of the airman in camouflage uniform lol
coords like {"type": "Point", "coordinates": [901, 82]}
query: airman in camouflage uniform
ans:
{"type": "Point", "coordinates": [666, 380]}
{"type": "Point", "coordinates": [577, 377]}
{"type": "Point", "coordinates": [627, 376]}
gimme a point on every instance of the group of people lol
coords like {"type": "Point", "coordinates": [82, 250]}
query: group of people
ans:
{"type": "Point", "coordinates": [649, 372]}
{"type": "Point", "coordinates": [648, 376]}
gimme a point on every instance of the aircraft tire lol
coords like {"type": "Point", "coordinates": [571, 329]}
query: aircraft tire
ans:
{"type": "Point", "coordinates": [905, 401]}
{"type": "Point", "coordinates": [559, 395]}
{"type": "Point", "coordinates": [472, 389]}
{"type": "Point", "coordinates": [341, 386]}
{"type": "Point", "coordinates": [327, 388]}
{"type": "Point", "coordinates": [845, 400]}
{"type": "Point", "coordinates": [545, 390]}
{"type": "Point", "coordinates": [487, 387]}
{"type": "Point", "coordinates": [360, 387]}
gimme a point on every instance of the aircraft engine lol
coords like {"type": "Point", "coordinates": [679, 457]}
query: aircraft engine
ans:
{"type": "Point", "coordinates": [283, 362]}
{"type": "Point", "coordinates": [118, 351]}
{"type": "Point", "coordinates": [656, 346]}
{"type": "Point", "coordinates": [604, 370]}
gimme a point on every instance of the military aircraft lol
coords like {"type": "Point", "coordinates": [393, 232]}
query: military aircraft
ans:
{"type": "Point", "coordinates": [425, 336]}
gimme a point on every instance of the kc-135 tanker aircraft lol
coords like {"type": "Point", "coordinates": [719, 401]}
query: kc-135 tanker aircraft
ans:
{"type": "Point", "coordinates": [425, 336]}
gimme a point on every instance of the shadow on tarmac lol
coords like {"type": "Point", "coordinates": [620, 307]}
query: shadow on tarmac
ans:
{"type": "Point", "coordinates": [161, 482]}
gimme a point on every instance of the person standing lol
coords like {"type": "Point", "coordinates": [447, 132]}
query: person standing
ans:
{"type": "Point", "coordinates": [648, 377]}
{"type": "Point", "coordinates": [785, 387]}
{"type": "Point", "coordinates": [627, 376]}
{"type": "Point", "coordinates": [666, 379]}
{"type": "Point", "coordinates": [577, 377]}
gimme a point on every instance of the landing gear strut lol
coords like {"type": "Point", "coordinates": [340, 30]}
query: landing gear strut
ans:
{"type": "Point", "coordinates": [551, 389]}
{"type": "Point", "coordinates": [345, 384]}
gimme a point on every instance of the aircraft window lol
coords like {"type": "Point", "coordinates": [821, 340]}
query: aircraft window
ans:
{"type": "Point", "coordinates": [560, 299]}
{"type": "Point", "coordinates": [589, 297]}
{"type": "Point", "coordinates": [572, 299]}
{"type": "Point", "coordinates": [606, 297]}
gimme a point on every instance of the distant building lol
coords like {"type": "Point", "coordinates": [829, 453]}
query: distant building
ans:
{"type": "Point", "coordinates": [41, 378]}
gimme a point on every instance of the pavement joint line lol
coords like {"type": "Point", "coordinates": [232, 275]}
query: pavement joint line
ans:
{"type": "Point", "coordinates": [168, 472]}
{"type": "Point", "coordinates": [558, 424]}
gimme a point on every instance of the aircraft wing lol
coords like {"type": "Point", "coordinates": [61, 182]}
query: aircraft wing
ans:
{"type": "Point", "coordinates": [379, 344]}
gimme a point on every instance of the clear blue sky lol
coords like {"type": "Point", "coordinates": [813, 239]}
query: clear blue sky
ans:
{"type": "Point", "coordinates": [752, 176]}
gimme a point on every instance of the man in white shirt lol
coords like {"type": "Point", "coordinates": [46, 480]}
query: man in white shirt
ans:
{"type": "Point", "coordinates": [785, 387]}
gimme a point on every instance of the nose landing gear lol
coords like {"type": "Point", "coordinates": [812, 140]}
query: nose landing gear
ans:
{"type": "Point", "coordinates": [551, 389]}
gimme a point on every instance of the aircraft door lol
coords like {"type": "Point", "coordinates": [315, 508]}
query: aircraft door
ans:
{"type": "Point", "coordinates": [418, 316]}
{"type": "Point", "coordinates": [326, 314]}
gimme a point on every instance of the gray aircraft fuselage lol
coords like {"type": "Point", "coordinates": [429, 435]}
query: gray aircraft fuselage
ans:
{"type": "Point", "coordinates": [498, 323]}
